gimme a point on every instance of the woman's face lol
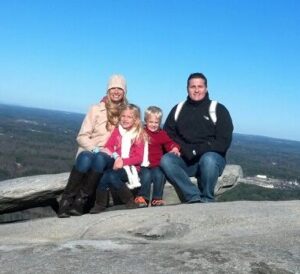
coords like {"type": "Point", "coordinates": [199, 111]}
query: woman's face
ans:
{"type": "Point", "coordinates": [127, 119]}
{"type": "Point", "coordinates": [116, 95]}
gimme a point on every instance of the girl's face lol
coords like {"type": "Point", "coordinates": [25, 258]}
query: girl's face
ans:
{"type": "Point", "coordinates": [127, 119]}
{"type": "Point", "coordinates": [152, 122]}
{"type": "Point", "coordinates": [116, 95]}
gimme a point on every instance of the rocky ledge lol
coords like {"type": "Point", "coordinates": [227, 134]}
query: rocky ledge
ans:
{"type": "Point", "coordinates": [42, 190]}
{"type": "Point", "coordinates": [233, 237]}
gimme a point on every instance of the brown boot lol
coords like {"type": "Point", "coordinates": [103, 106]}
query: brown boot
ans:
{"type": "Point", "coordinates": [126, 197]}
{"type": "Point", "coordinates": [115, 197]}
{"type": "Point", "coordinates": [70, 191]}
{"type": "Point", "coordinates": [101, 202]}
{"type": "Point", "coordinates": [85, 198]}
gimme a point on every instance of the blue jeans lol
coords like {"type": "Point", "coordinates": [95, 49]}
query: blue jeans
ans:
{"type": "Point", "coordinates": [98, 162]}
{"type": "Point", "coordinates": [149, 175]}
{"type": "Point", "coordinates": [207, 170]}
{"type": "Point", "coordinates": [113, 178]}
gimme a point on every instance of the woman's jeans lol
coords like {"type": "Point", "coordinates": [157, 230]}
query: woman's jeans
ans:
{"type": "Point", "coordinates": [207, 170]}
{"type": "Point", "coordinates": [149, 175]}
{"type": "Point", "coordinates": [98, 162]}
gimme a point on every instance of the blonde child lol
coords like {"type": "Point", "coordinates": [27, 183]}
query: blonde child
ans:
{"type": "Point", "coordinates": [158, 143]}
{"type": "Point", "coordinates": [126, 147]}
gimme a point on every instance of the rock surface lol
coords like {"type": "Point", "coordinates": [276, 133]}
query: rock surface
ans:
{"type": "Point", "coordinates": [235, 237]}
{"type": "Point", "coordinates": [21, 193]}
{"type": "Point", "coordinates": [26, 192]}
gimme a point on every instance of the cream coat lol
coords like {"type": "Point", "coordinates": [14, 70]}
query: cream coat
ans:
{"type": "Point", "coordinates": [93, 132]}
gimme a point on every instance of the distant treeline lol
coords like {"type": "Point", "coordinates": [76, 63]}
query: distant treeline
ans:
{"type": "Point", "coordinates": [35, 141]}
{"type": "Point", "coordinates": [244, 192]}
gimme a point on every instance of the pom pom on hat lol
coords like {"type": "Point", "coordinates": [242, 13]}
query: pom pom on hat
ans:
{"type": "Point", "coordinates": [117, 81]}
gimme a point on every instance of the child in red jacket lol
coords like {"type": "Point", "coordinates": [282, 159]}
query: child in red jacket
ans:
{"type": "Point", "coordinates": [158, 143]}
{"type": "Point", "coordinates": [126, 145]}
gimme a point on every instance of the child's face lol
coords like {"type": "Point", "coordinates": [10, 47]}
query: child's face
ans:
{"type": "Point", "coordinates": [152, 122]}
{"type": "Point", "coordinates": [127, 119]}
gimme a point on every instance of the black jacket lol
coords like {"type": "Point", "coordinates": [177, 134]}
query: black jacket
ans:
{"type": "Point", "coordinates": [196, 133]}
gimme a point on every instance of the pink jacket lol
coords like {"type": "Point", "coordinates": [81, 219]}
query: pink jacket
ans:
{"type": "Point", "coordinates": [136, 153]}
{"type": "Point", "coordinates": [93, 132]}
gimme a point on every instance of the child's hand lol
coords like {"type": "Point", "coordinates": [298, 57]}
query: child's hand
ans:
{"type": "Point", "coordinates": [175, 151]}
{"type": "Point", "coordinates": [118, 164]}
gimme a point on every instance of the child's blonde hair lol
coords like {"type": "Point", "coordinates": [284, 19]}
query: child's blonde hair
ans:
{"type": "Point", "coordinates": [139, 131]}
{"type": "Point", "coordinates": [155, 111]}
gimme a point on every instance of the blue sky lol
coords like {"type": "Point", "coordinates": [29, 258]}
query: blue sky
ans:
{"type": "Point", "coordinates": [58, 54]}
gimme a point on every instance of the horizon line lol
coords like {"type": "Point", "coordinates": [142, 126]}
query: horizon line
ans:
{"type": "Point", "coordinates": [82, 113]}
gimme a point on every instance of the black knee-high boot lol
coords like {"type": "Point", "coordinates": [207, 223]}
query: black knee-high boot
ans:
{"type": "Point", "coordinates": [86, 197]}
{"type": "Point", "coordinates": [69, 193]}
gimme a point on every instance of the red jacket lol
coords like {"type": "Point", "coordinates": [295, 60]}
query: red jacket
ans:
{"type": "Point", "coordinates": [136, 153]}
{"type": "Point", "coordinates": [159, 143]}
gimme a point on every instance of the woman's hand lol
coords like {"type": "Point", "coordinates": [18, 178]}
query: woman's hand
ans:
{"type": "Point", "coordinates": [118, 164]}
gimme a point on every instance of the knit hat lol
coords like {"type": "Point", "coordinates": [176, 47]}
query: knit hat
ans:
{"type": "Point", "coordinates": [117, 81]}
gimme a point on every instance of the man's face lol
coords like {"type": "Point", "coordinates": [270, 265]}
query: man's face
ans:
{"type": "Point", "coordinates": [197, 89]}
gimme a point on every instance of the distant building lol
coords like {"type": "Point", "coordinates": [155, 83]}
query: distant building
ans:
{"type": "Point", "coordinates": [258, 176]}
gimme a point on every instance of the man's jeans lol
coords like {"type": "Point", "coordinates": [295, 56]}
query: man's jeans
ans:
{"type": "Point", "coordinates": [206, 170]}
{"type": "Point", "coordinates": [149, 175]}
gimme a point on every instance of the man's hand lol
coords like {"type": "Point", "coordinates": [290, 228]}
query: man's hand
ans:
{"type": "Point", "coordinates": [118, 164]}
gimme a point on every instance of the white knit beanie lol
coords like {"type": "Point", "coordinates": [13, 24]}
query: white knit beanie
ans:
{"type": "Point", "coordinates": [117, 81]}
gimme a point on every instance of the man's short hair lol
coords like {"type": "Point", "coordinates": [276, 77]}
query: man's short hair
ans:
{"type": "Point", "coordinates": [153, 110]}
{"type": "Point", "coordinates": [197, 75]}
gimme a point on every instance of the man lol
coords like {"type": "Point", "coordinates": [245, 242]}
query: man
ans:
{"type": "Point", "coordinates": [203, 141]}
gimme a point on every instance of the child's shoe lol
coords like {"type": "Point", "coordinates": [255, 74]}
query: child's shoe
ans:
{"type": "Point", "coordinates": [158, 202]}
{"type": "Point", "coordinates": [140, 201]}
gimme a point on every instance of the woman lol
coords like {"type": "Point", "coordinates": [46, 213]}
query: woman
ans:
{"type": "Point", "coordinates": [91, 162]}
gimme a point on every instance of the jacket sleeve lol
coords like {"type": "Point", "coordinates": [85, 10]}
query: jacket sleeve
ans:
{"type": "Point", "coordinates": [136, 154]}
{"type": "Point", "coordinates": [224, 129]}
{"type": "Point", "coordinates": [85, 133]}
{"type": "Point", "coordinates": [170, 126]}
{"type": "Point", "coordinates": [167, 142]}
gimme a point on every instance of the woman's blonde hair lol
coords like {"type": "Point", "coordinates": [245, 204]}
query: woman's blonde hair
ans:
{"type": "Point", "coordinates": [114, 111]}
{"type": "Point", "coordinates": [139, 132]}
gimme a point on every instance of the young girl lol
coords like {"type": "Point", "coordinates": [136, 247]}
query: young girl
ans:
{"type": "Point", "coordinates": [126, 147]}
{"type": "Point", "coordinates": [158, 143]}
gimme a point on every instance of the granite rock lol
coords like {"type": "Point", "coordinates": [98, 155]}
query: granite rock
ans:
{"type": "Point", "coordinates": [27, 192]}
{"type": "Point", "coordinates": [232, 237]}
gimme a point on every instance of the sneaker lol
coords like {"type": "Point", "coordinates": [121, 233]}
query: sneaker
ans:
{"type": "Point", "coordinates": [140, 201]}
{"type": "Point", "coordinates": [158, 202]}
